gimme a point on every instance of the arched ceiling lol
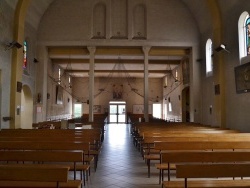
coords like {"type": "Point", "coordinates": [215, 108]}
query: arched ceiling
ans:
{"type": "Point", "coordinates": [197, 8]}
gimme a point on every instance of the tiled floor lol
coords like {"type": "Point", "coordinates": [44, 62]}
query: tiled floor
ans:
{"type": "Point", "coordinates": [120, 164]}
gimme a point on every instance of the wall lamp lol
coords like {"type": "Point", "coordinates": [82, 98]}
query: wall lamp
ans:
{"type": "Point", "coordinates": [35, 60]}
{"type": "Point", "coordinates": [221, 48]}
{"type": "Point", "coordinates": [13, 44]}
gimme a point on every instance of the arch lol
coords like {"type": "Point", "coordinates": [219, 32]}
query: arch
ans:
{"type": "Point", "coordinates": [119, 19]}
{"type": "Point", "coordinates": [17, 61]}
{"type": "Point", "coordinates": [26, 108]}
{"type": "Point", "coordinates": [242, 34]}
{"type": "Point", "coordinates": [99, 21]}
{"type": "Point", "coordinates": [139, 22]}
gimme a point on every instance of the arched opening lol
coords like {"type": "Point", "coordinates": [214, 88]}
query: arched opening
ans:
{"type": "Point", "coordinates": [26, 108]}
{"type": "Point", "coordinates": [242, 32]}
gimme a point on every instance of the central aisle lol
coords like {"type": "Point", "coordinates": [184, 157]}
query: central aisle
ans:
{"type": "Point", "coordinates": [120, 163]}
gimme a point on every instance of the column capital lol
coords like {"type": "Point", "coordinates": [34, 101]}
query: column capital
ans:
{"type": "Point", "coordinates": [146, 49]}
{"type": "Point", "coordinates": [91, 49]}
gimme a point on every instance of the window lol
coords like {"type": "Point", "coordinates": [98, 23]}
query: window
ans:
{"type": "Point", "coordinates": [247, 26]}
{"type": "Point", "coordinates": [59, 76]}
{"type": "Point", "coordinates": [209, 60]}
{"type": "Point", "coordinates": [25, 48]}
{"type": "Point", "coordinates": [169, 107]}
{"type": "Point", "coordinates": [70, 86]}
{"type": "Point", "coordinates": [244, 35]}
{"type": "Point", "coordinates": [77, 110]}
{"type": "Point", "coordinates": [157, 110]}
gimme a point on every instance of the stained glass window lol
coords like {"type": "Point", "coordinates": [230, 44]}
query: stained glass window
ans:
{"type": "Point", "coordinates": [247, 25]}
{"type": "Point", "coordinates": [25, 62]}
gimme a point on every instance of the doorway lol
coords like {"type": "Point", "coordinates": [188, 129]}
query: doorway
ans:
{"type": "Point", "coordinates": [77, 110]}
{"type": "Point", "coordinates": [185, 105]}
{"type": "Point", "coordinates": [157, 110]}
{"type": "Point", "coordinates": [26, 108]}
{"type": "Point", "coordinates": [117, 112]}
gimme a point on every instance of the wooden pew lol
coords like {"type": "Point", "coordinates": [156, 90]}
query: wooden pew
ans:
{"type": "Point", "coordinates": [93, 136]}
{"type": "Point", "coordinates": [169, 158]}
{"type": "Point", "coordinates": [205, 142]}
{"type": "Point", "coordinates": [42, 146]}
{"type": "Point", "coordinates": [216, 171]}
{"type": "Point", "coordinates": [73, 159]}
{"type": "Point", "coordinates": [201, 146]}
{"type": "Point", "coordinates": [36, 176]}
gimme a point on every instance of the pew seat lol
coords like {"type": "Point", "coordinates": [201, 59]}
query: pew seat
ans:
{"type": "Point", "coordinates": [36, 175]}
{"type": "Point", "coordinates": [227, 175]}
{"type": "Point", "coordinates": [208, 183]}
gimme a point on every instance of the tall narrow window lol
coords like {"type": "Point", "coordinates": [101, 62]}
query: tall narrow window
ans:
{"type": "Point", "coordinates": [59, 76]}
{"type": "Point", "coordinates": [25, 49]}
{"type": "Point", "coordinates": [70, 86]}
{"type": "Point", "coordinates": [244, 35]}
{"type": "Point", "coordinates": [209, 60]}
{"type": "Point", "coordinates": [247, 32]}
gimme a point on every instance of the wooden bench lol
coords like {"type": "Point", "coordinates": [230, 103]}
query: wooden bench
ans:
{"type": "Point", "coordinates": [198, 143]}
{"type": "Point", "coordinates": [92, 136]}
{"type": "Point", "coordinates": [169, 158]}
{"type": "Point", "coordinates": [48, 146]}
{"type": "Point", "coordinates": [216, 171]}
{"type": "Point", "coordinates": [36, 176]}
{"type": "Point", "coordinates": [73, 159]}
{"type": "Point", "coordinates": [201, 146]}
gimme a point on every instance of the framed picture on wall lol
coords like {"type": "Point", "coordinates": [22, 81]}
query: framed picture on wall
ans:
{"type": "Point", "coordinates": [242, 78]}
{"type": "Point", "coordinates": [97, 109]}
{"type": "Point", "coordinates": [59, 94]}
{"type": "Point", "coordinates": [139, 109]}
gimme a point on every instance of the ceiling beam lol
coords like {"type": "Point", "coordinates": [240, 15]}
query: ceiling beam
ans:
{"type": "Point", "coordinates": [169, 51]}
{"type": "Point", "coordinates": [118, 51]}
{"type": "Point", "coordinates": [113, 61]}
{"type": "Point", "coordinates": [119, 71]}
{"type": "Point", "coordinates": [67, 51]}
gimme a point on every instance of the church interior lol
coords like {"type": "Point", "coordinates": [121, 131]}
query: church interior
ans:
{"type": "Point", "coordinates": [81, 64]}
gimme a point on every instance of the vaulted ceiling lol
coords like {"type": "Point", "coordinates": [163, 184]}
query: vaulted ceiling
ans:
{"type": "Point", "coordinates": [116, 59]}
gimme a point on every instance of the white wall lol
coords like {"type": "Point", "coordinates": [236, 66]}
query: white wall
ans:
{"type": "Point", "coordinates": [168, 23]}
{"type": "Point", "coordinates": [80, 90]}
{"type": "Point", "coordinates": [6, 28]}
{"type": "Point", "coordinates": [237, 105]}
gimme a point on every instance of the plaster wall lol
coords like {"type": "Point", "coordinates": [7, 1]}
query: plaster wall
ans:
{"type": "Point", "coordinates": [80, 90]}
{"type": "Point", "coordinates": [173, 23]}
{"type": "Point", "coordinates": [6, 27]}
{"type": "Point", "coordinates": [237, 105]}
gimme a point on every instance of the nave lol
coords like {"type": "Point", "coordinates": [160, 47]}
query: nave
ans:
{"type": "Point", "coordinates": [120, 163]}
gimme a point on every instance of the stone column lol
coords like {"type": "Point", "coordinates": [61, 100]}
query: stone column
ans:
{"type": "Point", "coordinates": [91, 81]}
{"type": "Point", "coordinates": [146, 50]}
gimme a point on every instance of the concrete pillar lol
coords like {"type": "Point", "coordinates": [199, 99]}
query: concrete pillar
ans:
{"type": "Point", "coordinates": [91, 81]}
{"type": "Point", "coordinates": [146, 50]}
